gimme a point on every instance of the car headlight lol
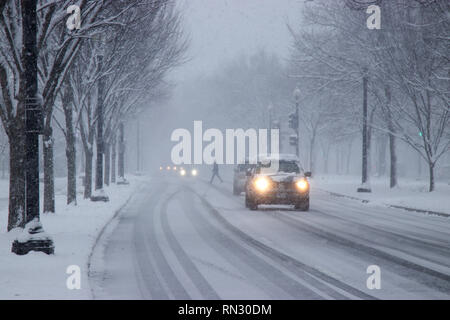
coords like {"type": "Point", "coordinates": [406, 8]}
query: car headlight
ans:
{"type": "Point", "coordinates": [175, 168]}
{"type": "Point", "coordinates": [194, 172]}
{"type": "Point", "coordinates": [302, 184]}
{"type": "Point", "coordinates": [183, 172]}
{"type": "Point", "coordinates": [160, 168]}
{"type": "Point", "coordinates": [168, 167]}
{"type": "Point", "coordinates": [262, 184]}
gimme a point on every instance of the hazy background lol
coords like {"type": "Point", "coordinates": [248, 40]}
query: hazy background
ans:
{"type": "Point", "coordinates": [218, 32]}
{"type": "Point", "coordinates": [221, 29]}
{"type": "Point", "coordinates": [242, 60]}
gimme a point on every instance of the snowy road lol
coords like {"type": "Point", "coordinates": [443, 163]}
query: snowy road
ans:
{"type": "Point", "coordinates": [189, 240]}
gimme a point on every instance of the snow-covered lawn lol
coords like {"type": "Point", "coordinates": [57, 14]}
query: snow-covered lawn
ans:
{"type": "Point", "coordinates": [74, 230]}
{"type": "Point", "coordinates": [409, 193]}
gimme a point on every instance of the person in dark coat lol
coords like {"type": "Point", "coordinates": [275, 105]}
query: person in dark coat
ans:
{"type": "Point", "coordinates": [215, 172]}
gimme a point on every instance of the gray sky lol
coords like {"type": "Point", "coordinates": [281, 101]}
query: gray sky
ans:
{"type": "Point", "coordinates": [221, 29]}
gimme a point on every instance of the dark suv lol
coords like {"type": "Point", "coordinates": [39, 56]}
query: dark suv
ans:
{"type": "Point", "coordinates": [278, 180]}
{"type": "Point", "coordinates": [240, 177]}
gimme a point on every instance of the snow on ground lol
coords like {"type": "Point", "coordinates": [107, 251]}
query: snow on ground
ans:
{"type": "Point", "coordinates": [74, 230]}
{"type": "Point", "coordinates": [409, 193]}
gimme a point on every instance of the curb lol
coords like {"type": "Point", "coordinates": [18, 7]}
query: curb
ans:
{"type": "Point", "coordinates": [429, 212]}
{"type": "Point", "coordinates": [100, 234]}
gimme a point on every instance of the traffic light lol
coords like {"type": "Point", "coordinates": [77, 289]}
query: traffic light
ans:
{"type": "Point", "coordinates": [293, 140]}
{"type": "Point", "coordinates": [275, 124]}
{"type": "Point", "coordinates": [293, 121]}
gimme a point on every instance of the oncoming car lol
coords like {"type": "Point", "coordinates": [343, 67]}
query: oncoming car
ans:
{"type": "Point", "coordinates": [278, 180]}
{"type": "Point", "coordinates": [168, 168]}
{"type": "Point", "coordinates": [240, 176]}
{"type": "Point", "coordinates": [188, 172]}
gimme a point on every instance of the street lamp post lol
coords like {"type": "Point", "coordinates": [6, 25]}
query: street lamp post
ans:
{"type": "Point", "coordinates": [269, 111]}
{"type": "Point", "coordinates": [33, 237]}
{"type": "Point", "coordinates": [297, 100]}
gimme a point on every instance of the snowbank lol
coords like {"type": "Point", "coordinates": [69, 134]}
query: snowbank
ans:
{"type": "Point", "coordinates": [410, 193]}
{"type": "Point", "coordinates": [74, 230]}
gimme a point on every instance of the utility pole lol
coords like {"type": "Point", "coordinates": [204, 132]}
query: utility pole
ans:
{"type": "Point", "coordinates": [138, 147]}
{"type": "Point", "coordinates": [297, 149]}
{"type": "Point", "coordinates": [276, 125]}
{"type": "Point", "coordinates": [294, 123]}
{"type": "Point", "coordinates": [99, 194]}
{"type": "Point", "coordinates": [365, 186]}
{"type": "Point", "coordinates": [269, 111]}
{"type": "Point", "coordinates": [36, 238]}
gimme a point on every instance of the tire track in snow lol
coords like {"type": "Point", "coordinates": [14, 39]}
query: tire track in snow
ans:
{"type": "Point", "coordinates": [443, 283]}
{"type": "Point", "coordinates": [302, 270]}
{"type": "Point", "coordinates": [254, 267]}
{"type": "Point", "coordinates": [189, 267]}
{"type": "Point", "coordinates": [368, 250]}
{"type": "Point", "coordinates": [393, 237]}
{"type": "Point", "coordinates": [161, 279]}
{"type": "Point", "coordinates": [418, 221]}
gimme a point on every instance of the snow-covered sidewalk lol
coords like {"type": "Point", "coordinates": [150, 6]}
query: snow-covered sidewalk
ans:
{"type": "Point", "coordinates": [74, 230]}
{"type": "Point", "coordinates": [409, 194]}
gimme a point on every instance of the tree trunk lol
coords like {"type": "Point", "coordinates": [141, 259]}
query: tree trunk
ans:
{"type": "Point", "coordinates": [369, 144]}
{"type": "Point", "coordinates": [88, 155]}
{"type": "Point", "coordinates": [100, 140]}
{"type": "Point", "coordinates": [381, 159]}
{"type": "Point", "coordinates": [392, 141]}
{"type": "Point", "coordinates": [326, 155]}
{"type": "Point", "coordinates": [393, 160]}
{"type": "Point", "coordinates": [113, 160]}
{"type": "Point", "coordinates": [16, 216]}
{"type": "Point", "coordinates": [311, 150]}
{"type": "Point", "coordinates": [431, 170]}
{"type": "Point", "coordinates": [365, 140]}
{"type": "Point", "coordinates": [338, 160]}
{"type": "Point", "coordinates": [138, 147]}
{"type": "Point", "coordinates": [49, 178]}
{"type": "Point", "coordinates": [82, 158]}
{"type": "Point", "coordinates": [349, 156]}
{"type": "Point", "coordinates": [121, 163]}
{"type": "Point", "coordinates": [70, 155]}
{"type": "Point", "coordinates": [419, 166]}
{"type": "Point", "coordinates": [107, 173]}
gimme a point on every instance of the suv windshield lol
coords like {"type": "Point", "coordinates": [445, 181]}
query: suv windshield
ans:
{"type": "Point", "coordinates": [243, 167]}
{"type": "Point", "coordinates": [284, 166]}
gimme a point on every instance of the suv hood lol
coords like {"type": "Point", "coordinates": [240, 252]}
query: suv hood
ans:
{"type": "Point", "coordinates": [282, 176]}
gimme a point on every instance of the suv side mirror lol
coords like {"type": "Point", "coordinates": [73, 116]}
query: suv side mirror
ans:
{"type": "Point", "coordinates": [308, 174]}
{"type": "Point", "coordinates": [248, 173]}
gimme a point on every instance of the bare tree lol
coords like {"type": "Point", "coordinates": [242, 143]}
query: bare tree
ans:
{"type": "Point", "coordinates": [136, 58]}
{"type": "Point", "coordinates": [407, 64]}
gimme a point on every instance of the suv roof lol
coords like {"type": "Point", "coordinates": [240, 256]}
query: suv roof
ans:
{"type": "Point", "coordinates": [280, 157]}
{"type": "Point", "coordinates": [267, 157]}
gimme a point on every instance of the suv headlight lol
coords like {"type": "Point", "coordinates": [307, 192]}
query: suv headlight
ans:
{"type": "Point", "coordinates": [302, 185]}
{"type": "Point", "coordinates": [194, 172]}
{"type": "Point", "coordinates": [262, 184]}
